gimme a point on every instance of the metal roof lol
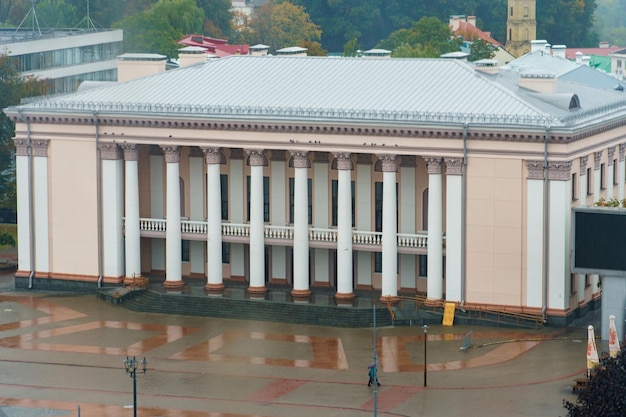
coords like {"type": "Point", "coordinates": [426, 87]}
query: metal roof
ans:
{"type": "Point", "coordinates": [345, 90]}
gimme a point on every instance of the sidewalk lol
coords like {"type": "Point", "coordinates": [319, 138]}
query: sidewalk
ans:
{"type": "Point", "coordinates": [59, 352]}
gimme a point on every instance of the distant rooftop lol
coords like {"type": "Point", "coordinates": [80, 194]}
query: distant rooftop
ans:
{"type": "Point", "coordinates": [14, 35]}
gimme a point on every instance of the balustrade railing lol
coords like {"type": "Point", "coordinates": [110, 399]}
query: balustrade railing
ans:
{"type": "Point", "coordinates": [316, 234]}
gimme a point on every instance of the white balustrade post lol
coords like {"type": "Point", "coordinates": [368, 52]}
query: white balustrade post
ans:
{"type": "Point", "coordinates": [132, 244]}
{"type": "Point", "coordinates": [390, 230]}
{"type": "Point", "coordinates": [215, 284]}
{"type": "Point", "coordinates": [173, 243]}
{"type": "Point", "coordinates": [301, 289]}
{"type": "Point", "coordinates": [257, 238]}
{"type": "Point", "coordinates": [344, 292]}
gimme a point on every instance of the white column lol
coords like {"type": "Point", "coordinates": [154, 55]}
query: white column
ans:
{"type": "Point", "coordinates": [610, 182]}
{"type": "Point", "coordinates": [40, 202]}
{"type": "Point", "coordinates": [215, 284]}
{"type": "Point", "coordinates": [621, 173]}
{"type": "Point", "coordinates": [435, 228]}
{"type": "Point", "coordinates": [534, 233]}
{"type": "Point", "coordinates": [390, 229]}
{"type": "Point", "coordinates": [173, 242]}
{"type": "Point", "coordinates": [344, 228]}
{"type": "Point", "coordinates": [132, 247]}
{"type": "Point", "coordinates": [582, 196]}
{"type": "Point", "coordinates": [454, 213]}
{"type": "Point", "coordinates": [597, 158]}
{"type": "Point", "coordinates": [559, 232]}
{"type": "Point", "coordinates": [22, 179]}
{"type": "Point", "coordinates": [257, 243]}
{"type": "Point", "coordinates": [301, 227]}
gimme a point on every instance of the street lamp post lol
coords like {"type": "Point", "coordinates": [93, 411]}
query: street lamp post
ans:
{"type": "Point", "coordinates": [131, 369]}
{"type": "Point", "coordinates": [425, 327]}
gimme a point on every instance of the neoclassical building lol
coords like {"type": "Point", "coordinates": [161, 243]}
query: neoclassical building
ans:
{"type": "Point", "coordinates": [399, 176]}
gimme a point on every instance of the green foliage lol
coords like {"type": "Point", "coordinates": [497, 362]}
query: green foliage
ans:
{"type": "Point", "coordinates": [282, 25]}
{"type": "Point", "coordinates": [428, 38]}
{"type": "Point", "coordinates": [605, 395]}
{"type": "Point", "coordinates": [609, 21]}
{"type": "Point", "coordinates": [218, 17]}
{"type": "Point", "coordinates": [158, 29]}
{"type": "Point", "coordinates": [611, 202]}
{"type": "Point", "coordinates": [351, 47]}
{"type": "Point", "coordinates": [6, 239]}
{"type": "Point", "coordinates": [567, 22]}
{"type": "Point", "coordinates": [481, 49]}
{"type": "Point", "coordinates": [313, 48]}
{"type": "Point", "coordinates": [56, 14]}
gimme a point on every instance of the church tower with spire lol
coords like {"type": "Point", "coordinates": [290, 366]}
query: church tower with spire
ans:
{"type": "Point", "coordinates": [521, 26]}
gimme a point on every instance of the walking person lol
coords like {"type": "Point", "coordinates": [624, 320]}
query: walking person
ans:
{"type": "Point", "coordinates": [373, 375]}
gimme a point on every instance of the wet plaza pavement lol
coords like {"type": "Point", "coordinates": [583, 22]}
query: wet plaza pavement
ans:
{"type": "Point", "coordinates": [62, 355]}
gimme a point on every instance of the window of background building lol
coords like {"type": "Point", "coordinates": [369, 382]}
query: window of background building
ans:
{"type": "Point", "coordinates": [589, 182]}
{"type": "Point", "coordinates": [574, 187]}
{"type": "Point", "coordinates": [572, 284]}
{"type": "Point", "coordinates": [185, 251]}
{"type": "Point", "coordinates": [615, 173]}
{"type": "Point", "coordinates": [602, 176]}
{"type": "Point", "coordinates": [224, 192]}
{"type": "Point", "coordinates": [423, 265]}
{"type": "Point", "coordinates": [225, 252]}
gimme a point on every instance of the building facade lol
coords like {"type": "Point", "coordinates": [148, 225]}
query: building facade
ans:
{"type": "Point", "coordinates": [398, 176]}
{"type": "Point", "coordinates": [64, 58]}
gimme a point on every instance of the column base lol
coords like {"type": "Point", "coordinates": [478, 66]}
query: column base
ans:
{"type": "Point", "coordinates": [173, 285]}
{"type": "Point", "coordinates": [301, 295]}
{"type": "Point", "coordinates": [215, 289]}
{"type": "Point", "coordinates": [344, 298]}
{"type": "Point", "coordinates": [257, 292]}
{"type": "Point", "coordinates": [391, 299]}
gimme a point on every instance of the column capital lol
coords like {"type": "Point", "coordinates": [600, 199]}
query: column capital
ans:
{"type": "Point", "coordinates": [535, 169]}
{"type": "Point", "coordinates": [256, 157]}
{"type": "Point", "coordinates": [172, 153]}
{"type": "Point", "coordinates": [622, 150]}
{"type": "Point", "coordinates": [212, 155]}
{"type": "Point", "coordinates": [344, 161]}
{"type": "Point", "coordinates": [611, 153]}
{"type": "Point", "coordinates": [40, 147]}
{"type": "Point", "coordinates": [583, 164]}
{"type": "Point", "coordinates": [388, 162]}
{"type": "Point", "coordinates": [131, 151]}
{"type": "Point", "coordinates": [434, 164]}
{"type": "Point", "coordinates": [21, 147]}
{"type": "Point", "coordinates": [454, 166]}
{"type": "Point", "coordinates": [597, 157]}
{"type": "Point", "coordinates": [559, 170]}
{"type": "Point", "coordinates": [300, 159]}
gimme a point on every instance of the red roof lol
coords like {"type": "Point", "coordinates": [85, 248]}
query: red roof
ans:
{"type": "Point", "coordinates": [570, 53]}
{"type": "Point", "coordinates": [471, 32]}
{"type": "Point", "coordinates": [218, 47]}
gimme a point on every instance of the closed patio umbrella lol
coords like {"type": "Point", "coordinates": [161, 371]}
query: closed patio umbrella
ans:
{"type": "Point", "coordinates": [592, 351]}
{"type": "Point", "coordinates": [613, 339]}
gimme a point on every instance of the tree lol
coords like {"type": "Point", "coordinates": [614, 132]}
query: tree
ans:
{"type": "Point", "coordinates": [605, 395]}
{"type": "Point", "coordinates": [567, 22]}
{"type": "Point", "coordinates": [56, 14]}
{"type": "Point", "coordinates": [313, 48]}
{"type": "Point", "coordinates": [480, 49]}
{"type": "Point", "coordinates": [217, 17]}
{"type": "Point", "coordinates": [158, 29]}
{"type": "Point", "coordinates": [14, 87]}
{"type": "Point", "coordinates": [427, 38]}
{"type": "Point", "coordinates": [282, 25]}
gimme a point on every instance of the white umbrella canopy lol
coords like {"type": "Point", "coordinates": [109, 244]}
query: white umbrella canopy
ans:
{"type": "Point", "coordinates": [614, 347]}
{"type": "Point", "coordinates": [592, 351]}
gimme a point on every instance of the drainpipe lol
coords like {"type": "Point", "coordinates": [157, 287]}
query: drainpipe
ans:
{"type": "Point", "coordinates": [31, 214]}
{"type": "Point", "coordinates": [545, 225]}
{"type": "Point", "coordinates": [98, 198]}
{"type": "Point", "coordinates": [463, 214]}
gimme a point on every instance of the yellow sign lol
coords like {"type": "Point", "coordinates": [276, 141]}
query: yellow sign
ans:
{"type": "Point", "coordinates": [448, 314]}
